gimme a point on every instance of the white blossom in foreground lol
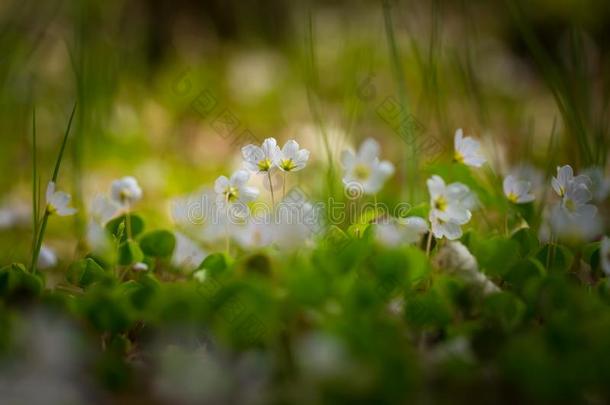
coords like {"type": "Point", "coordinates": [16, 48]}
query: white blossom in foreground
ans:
{"type": "Point", "coordinates": [604, 253]}
{"type": "Point", "coordinates": [467, 150]}
{"type": "Point", "coordinates": [365, 169]}
{"type": "Point", "coordinates": [58, 202]}
{"type": "Point", "coordinates": [261, 158]}
{"type": "Point", "coordinates": [296, 221]}
{"type": "Point", "coordinates": [47, 258]}
{"type": "Point", "coordinates": [126, 191]}
{"type": "Point", "coordinates": [399, 231]}
{"type": "Point", "coordinates": [531, 174]}
{"type": "Point", "coordinates": [448, 207]}
{"type": "Point", "coordinates": [234, 193]}
{"type": "Point", "coordinates": [577, 226]}
{"type": "Point", "coordinates": [600, 185]}
{"type": "Point", "coordinates": [255, 232]}
{"type": "Point", "coordinates": [140, 266]}
{"type": "Point", "coordinates": [565, 177]}
{"type": "Point", "coordinates": [454, 258]}
{"type": "Point", "coordinates": [187, 254]}
{"type": "Point", "coordinates": [290, 158]}
{"type": "Point", "coordinates": [517, 191]}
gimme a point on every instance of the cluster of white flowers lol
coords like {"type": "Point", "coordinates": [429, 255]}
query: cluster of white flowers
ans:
{"type": "Point", "coordinates": [269, 156]}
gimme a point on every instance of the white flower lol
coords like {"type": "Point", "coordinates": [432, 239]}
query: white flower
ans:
{"type": "Point", "coordinates": [467, 150]}
{"type": "Point", "coordinates": [565, 176]}
{"type": "Point", "coordinates": [290, 158]}
{"type": "Point", "coordinates": [365, 168]}
{"type": "Point", "coordinates": [455, 258]}
{"type": "Point", "coordinates": [126, 191]}
{"type": "Point", "coordinates": [47, 258]}
{"type": "Point", "coordinates": [517, 191]}
{"type": "Point", "coordinates": [604, 253]}
{"type": "Point", "coordinates": [234, 193]}
{"type": "Point", "coordinates": [103, 209]}
{"type": "Point", "coordinates": [58, 202]}
{"type": "Point", "coordinates": [575, 198]}
{"type": "Point", "coordinates": [187, 254]}
{"type": "Point", "coordinates": [600, 186]}
{"type": "Point", "coordinates": [140, 266]}
{"type": "Point", "coordinates": [295, 222]}
{"type": "Point", "coordinates": [396, 232]}
{"type": "Point", "coordinates": [448, 207]}
{"type": "Point", "coordinates": [261, 159]}
{"type": "Point", "coordinates": [583, 225]}
{"type": "Point", "coordinates": [253, 233]}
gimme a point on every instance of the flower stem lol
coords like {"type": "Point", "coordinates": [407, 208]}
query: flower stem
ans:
{"type": "Point", "coordinates": [429, 244]}
{"type": "Point", "coordinates": [271, 188]}
{"type": "Point", "coordinates": [36, 253]}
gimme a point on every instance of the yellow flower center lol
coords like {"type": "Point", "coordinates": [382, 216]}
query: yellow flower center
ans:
{"type": "Point", "coordinates": [440, 203]}
{"type": "Point", "coordinates": [231, 194]}
{"type": "Point", "coordinates": [362, 172]}
{"type": "Point", "coordinates": [287, 165]}
{"type": "Point", "coordinates": [570, 205]}
{"type": "Point", "coordinates": [458, 157]}
{"type": "Point", "coordinates": [51, 209]}
{"type": "Point", "coordinates": [512, 197]}
{"type": "Point", "coordinates": [264, 165]}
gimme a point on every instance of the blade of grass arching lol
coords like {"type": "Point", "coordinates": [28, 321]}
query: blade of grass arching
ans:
{"type": "Point", "coordinates": [548, 171]}
{"type": "Point", "coordinates": [409, 176]}
{"type": "Point", "coordinates": [312, 83]}
{"type": "Point", "coordinates": [45, 218]}
{"type": "Point", "coordinates": [35, 190]}
{"type": "Point", "coordinates": [555, 82]}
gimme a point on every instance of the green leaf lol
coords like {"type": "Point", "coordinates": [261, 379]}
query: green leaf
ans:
{"type": "Point", "coordinates": [130, 253]}
{"type": "Point", "coordinates": [523, 270]}
{"type": "Point", "coordinates": [216, 264]}
{"type": "Point", "coordinates": [591, 254]}
{"type": "Point", "coordinates": [86, 272]}
{"type": "Point", "coordinates": [427, 310]}
{"type": "Point", "coordinates": [158, 243]}
{"type": "Point", "coordinates": [528, 242]}
{"type": "Point", "coordinates": [556, 258]}
{"type": "Point", "coordinates": [17, 283]}
{"type": "Point", "coordinates": [116, 226]}
{"type": "Point", "coordinates": [504, 310]}
{"type": "Point", "coordinates": [495, 255]}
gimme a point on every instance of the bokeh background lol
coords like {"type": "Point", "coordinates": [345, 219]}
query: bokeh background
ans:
{"type": "Point", "coordinates": [169, 91]}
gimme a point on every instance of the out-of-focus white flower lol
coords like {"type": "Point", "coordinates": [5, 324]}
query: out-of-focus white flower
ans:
{"type": "Point", "coordinates": [582, 225]}
{"type": "Point", "coordinates": [467, 150]}
{"type": "Point", "coordinates": [575, 201]}
{"type": "Point", "coordinates": [364, 168]}
{"type": "Point", "coordinates": [600, 185]}
{"type": "Point", "coordinates": [565, 177]}
{"type": "Point", "coordinates": [531, 174]}
{"type": "Point", "coordinates": [15, 213]}
{"type": "Point", "coordinates": [395, 232]}
{"type": "Point", "coordinates": [290, 158]}
{"type": "Point", "coordinates": [47, 258]}
{"type": "Point", "coordinates": [253, 233]}
{"type": "Point", "coordinates": [448, 207]}
{"type": "Point", "coordinates": [261, 158]}
{"type": "Point", "coordinates": [604, 254]}
{"type": "Point", "coordinates": [58, 202]}
{"type": "Point", "coordinates": [517, 191]}
{"type": "Point", "coordinates": [103, 209]}
{"type": "Point", "coordinates": [140, 266]}
{"type": "Point", "coordinates": [234, 192]}
{"type": "Point", "coordinates": [126, 191]}
{"type": "Point", "coordinates": [187, 254]}
{"type": "Point", "coordinates": [294, 223]}
{"type": "Point", "coordinates": [454, 257]}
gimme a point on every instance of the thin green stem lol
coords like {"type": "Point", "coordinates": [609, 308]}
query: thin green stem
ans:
{"type": "Point", "coordinates": [429, 243]}
{"type": "Point", "coordinates": [271, 189]}
{"type": "Point", "coordinates": [63, 146]}
{"type": "Point", "coordinates": [36, 252]}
